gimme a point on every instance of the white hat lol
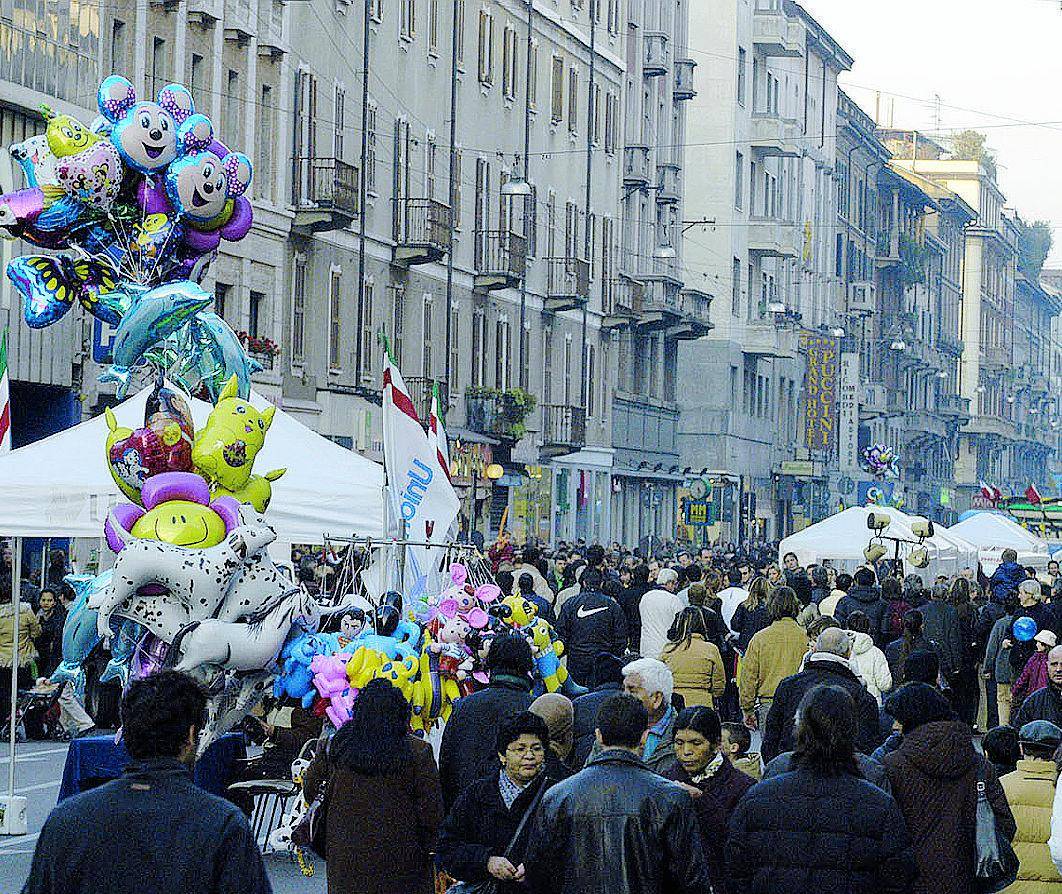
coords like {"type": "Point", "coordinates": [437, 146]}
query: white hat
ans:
{"type": "Point", "coordinates": [1046, 637]}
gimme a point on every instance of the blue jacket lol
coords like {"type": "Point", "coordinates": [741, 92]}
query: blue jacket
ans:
{"type": "Point", "coordinates": [1005, 579]}
{"type": "Point", "coordinates": [151, 830]}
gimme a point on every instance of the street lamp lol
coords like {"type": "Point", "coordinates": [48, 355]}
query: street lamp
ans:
{"type": "Point", "coordinates": [516, 188]}
{"type": "Point", "coordinates": [493, 472]}
{"type": "Point", "coordinates": [664, 253]}
{"type": "Point", "coordinates": [837, 332]}
{"type": "Point", "coordinates": [942, 374]}
{"type": "Point", "coordinates": [898, 344]}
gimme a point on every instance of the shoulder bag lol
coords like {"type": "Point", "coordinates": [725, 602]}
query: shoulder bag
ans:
{"type": "Point", "coordinates": [997, 864]}
{"type": "Point", "coordinates": [312, 830]}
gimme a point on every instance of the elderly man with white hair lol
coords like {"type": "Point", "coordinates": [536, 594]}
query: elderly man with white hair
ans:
{"type": "Point", "coordinates": [658, 609]}
{"type": "Point", "coordinates": [650, 681]}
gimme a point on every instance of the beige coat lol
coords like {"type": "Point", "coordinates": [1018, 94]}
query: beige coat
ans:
{"type": "Point", "coordinates": [773, 654]}
{"type": "Point", "coordinates": [1031, 793]}
{"type": "Point", "coordinates": [29, 628]}
{"type": "Point", "coordinates": [697, 669]}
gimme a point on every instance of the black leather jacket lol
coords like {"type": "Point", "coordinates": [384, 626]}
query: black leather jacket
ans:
{"type": "Point", "coordinates": [616, 826]}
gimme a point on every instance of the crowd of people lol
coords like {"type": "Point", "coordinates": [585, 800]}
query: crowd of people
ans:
{"type": "Point", "coordinates": [745, 727]}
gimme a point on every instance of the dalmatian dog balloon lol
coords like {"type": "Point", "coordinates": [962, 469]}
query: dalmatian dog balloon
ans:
{"type": "Point", "coordinates": [202, 183]}
{"type": "Point", "coordinates": [144, 133]}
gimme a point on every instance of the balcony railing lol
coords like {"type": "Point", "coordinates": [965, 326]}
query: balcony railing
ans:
{"type": "Point", "coordinates": [420, 392]}
{"type": "Point", "coordinates": [567, 283]}
{"type": "Point", "coordinates": [494, 413]}
{"type": "Point", "coordinates": [421, 230]}
{"type": "Point", "coordinates": [325, 193]}
{"type": "Point", "coordinates": [953, 405]}
{"type": "Point", "coordinates": [684, 79]}
{"type": "Point", "coordinates": [656, 54]}
{"type": "Point", "coordinates": [774, 33]}
{"type": "Point", "coordinates": [624, 302]}
{"type": "Point", "coordinates": [501, 259]}
{"type": "Point", "coordinates": [636, 165]}
{"type": "Point", "coordinates": [563, 429]}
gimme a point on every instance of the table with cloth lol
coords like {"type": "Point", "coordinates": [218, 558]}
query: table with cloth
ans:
{"type": "Point", "coordinates": [93, 760]}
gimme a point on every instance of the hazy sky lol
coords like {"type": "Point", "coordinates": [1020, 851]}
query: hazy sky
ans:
{"type": "Point", "coordinates": [996, 66]}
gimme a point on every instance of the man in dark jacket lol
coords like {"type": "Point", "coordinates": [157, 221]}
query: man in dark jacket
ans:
{"type": "Point", "coordinates": [616, 825]}
{"type": "Point", "coordinates": [631, 601]}
{"type": "Point", "coordinates": [153, 829]}
{"type": "Point", "coordinates": [865, 597]}
{"type": "Point", "coordinates": [467, 749]}
{"type": "Point", "coordinates": [828, 665]}
{"type": "Point", "coordinates": [610, 677]}
{"type": "Point", "coordinates": [1007, 576]}
{"type": "Point", "coordinates": [1046, 703]}
{"type": "Point", "coordinates": [941, 626]}
{"type": "Point", "coordinates": [591, 622]}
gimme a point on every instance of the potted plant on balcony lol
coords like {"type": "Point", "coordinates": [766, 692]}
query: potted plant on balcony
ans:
{"type": "Point", "coordinates": [912, 261]}
{"type": "Point", "coordinates": [260, 347]}
{"type": "Point", "coordinates": [480, 406]}
{"type": "Point", "coordinates": [517, 405]}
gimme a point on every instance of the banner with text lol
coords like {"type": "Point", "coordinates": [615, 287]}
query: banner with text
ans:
{"type": "Point", "coordinates": [820, 392]}
{"type": "Point", "coordinates": [848, 403]}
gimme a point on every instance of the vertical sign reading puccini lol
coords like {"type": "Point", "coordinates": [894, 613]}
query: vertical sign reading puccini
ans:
{"type": "Point", "coordinates": [848, 403]}
{"type": "Point", "coordinates": [820, 392]}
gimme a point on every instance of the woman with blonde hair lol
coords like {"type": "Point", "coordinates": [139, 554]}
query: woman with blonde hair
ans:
{"type": "Point", "coordinates": [695, 662]}
{"type": "Point", "coordinates": [774, 575]}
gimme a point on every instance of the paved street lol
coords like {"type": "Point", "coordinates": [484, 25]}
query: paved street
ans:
{"type": "Point", "coordinates": [39, 770]}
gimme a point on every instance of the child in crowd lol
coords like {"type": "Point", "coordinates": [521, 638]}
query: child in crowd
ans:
{"type": "Point", "coordinates": [1034, 674]}
{"type": "Point", "coordinates": [736, 743]}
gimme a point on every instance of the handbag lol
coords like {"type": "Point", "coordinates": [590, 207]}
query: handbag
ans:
{"type": "Point", "coordinates": [311, 831]}
{"type": "Point", "coordinates": [997, 864]}
{"type": "Point", "coordinates": [491, 886]}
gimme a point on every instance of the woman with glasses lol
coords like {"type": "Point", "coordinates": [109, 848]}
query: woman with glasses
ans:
{"type": "Point", "coordinates": [484, 837]}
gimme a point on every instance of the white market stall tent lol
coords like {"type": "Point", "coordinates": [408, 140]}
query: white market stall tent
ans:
{"type": "Point", "coordinates": [61, 486]}
{"type": "Point", "coordinates": [842, 537]}
{"type": "Point", "coordinates": [992, 533]}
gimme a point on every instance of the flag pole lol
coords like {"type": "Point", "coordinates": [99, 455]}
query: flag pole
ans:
{"type": "Point", "coordinates": [16, 599]}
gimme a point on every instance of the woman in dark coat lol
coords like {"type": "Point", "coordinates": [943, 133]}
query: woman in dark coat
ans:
{"type": "Point", "coordinates": [820, 827]}
{"type": "Point", "coordinates": [385, 803]}
{"type": "Point", "coordinates": [715, 783]}
{"type": "Point", "coordinates": [933, 776]}
{"type": "Point", "coordinates": [478, 840]}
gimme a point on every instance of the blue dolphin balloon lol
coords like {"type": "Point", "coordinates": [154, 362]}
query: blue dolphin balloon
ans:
{"type": "Point", "coordinates": [80, 636]}
{"type": "Point", "coordinates": [153, 315]}
{"type": "Point", "coordinates": [215, 341]}
{"type": "Point", "coordinates": [127, 634]}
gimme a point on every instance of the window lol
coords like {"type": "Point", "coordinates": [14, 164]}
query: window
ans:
{"type": "Point", "coordinates": [195, 74]}
{"type": "Point", "coordinates": [254, 320]}
{"type": "Point", "coordinates": [430, 158]}
{"type": "Point", "coordinates": [482, 204]}
{"type": "Point", "coordinates": [264, 144]}
{"type": "Point", "coordinates": [455, 351]}
{"type": "Point", "coordinates": [595, 132]}
{"type": "Point", "coordinates": [338, 122]}
{"type": "Point", "coordinates": [572, 247]}
{"type": "Point", "coordinates": [455, 191]}
{"type": "Point", "coordinates": [478, 352]}
{"type": "Point", "coordinates": [739, 181]}
{"type": "Point", "coordinates": [741, 65]}
{"type": "Point", "coordinates": [547, 364]}
{"type": "Point", "coordinates": [607, 255]}
{"type": "Point", "coordinates": [118, 47]}
{"type": "Point", "coordinates": [486, 47]}
{"type": "Point", "coordinates": [433, 27]}
{"type": "Point", "coordinates": [611, 121]}
{"type": "Point", "coordinates": [573, 99]}
{"type": "Point", "coordinates": [509, 57]}
{"type": "Point", "coordinates": [398, 311]}
{"type": "Point", "coordinates": [408, 20]}
{"type": "Point", "coordinates": [298, 310]}
{"type": "Point", "coordinates": [305, 137]}
{"type": "Point", "coordinates": [459, 11]}
{"type": "Point", "coordinates": [376, 10]}
{"type": "Point", "coordinates": [589, 391]}
{"type": "Point", "coordinates": [231, 122]}
{"type": "Point", "coordinates": [532, 79]}
{"type": "Point", "coordinates": [531, 221]}
{"type": "Point", "coordinates": [613, 16]}
{"type": "Point", "coordinates": [334, 323]}
{"type": "Point", "coordinates": [221, 298]}
{"type": "Point", "coordinates": [159, 66]}
{"type": "Point", "coordinates": [365, 324]}
{"type": "Point", "coordinates": [568, 370]}
{"type": "Point", "coordinates": [426, 331]}
{"type": "Point", "coordinates": [503, 348]}
{"type": "Point", "coordinates": [556, 108]}
{"type": "Point", "coordinates": [735, 288]}
{"type": "Point", "coordinates": [370, 148]}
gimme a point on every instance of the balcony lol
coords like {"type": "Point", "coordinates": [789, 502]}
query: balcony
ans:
{"type": "Point", "coordinates": [661, 303]}
{"type": "Point", "coordinates": [500, 414]}
{"type": "Point", "coordinates": [668, 183]}
{"type": "Point", "coordinates": [501, 260]}
{"type": "Point", "coordinates": [684, 80]}
{"type": "Point", "coordinates": [775, 34]}
{"type": "Point", "coordinates": [625, 304]}
{"type": "Point", "coordinates": [567, 284]}
{"type": "Point", "coordinates": [773, 135]}
{"type": "Point", "coordinates": [950, 344]}
{"type": "Point", "coordinates": [271, 40]}
{"type": "Point", "coordinates": [421, 231]}
{"type": "Point", "coordinates": [325, 194]}
{"type": "Point", "coordinates": [921, 423]}
{"type": "Point", "coordinates": [695, 321]}
{"type": "Point", "coordinates": [206, 12]}
{"type": "Point", "coordinates": [953, 405]}
{"type": "Point", "coordinates": [657, 57]}
{"type": "Point", "coordinates": [762, 338]}
{"type": "Point", "coordinates": [772, 238]}
{"type": "Point", "coordinates": [563, 429]}
{"type": "Point", "coordinates": [989, 426]}
{"type": "Point", "coordinates": [636, 166]}
{"type": "Point", "coordinates": [420, 392]}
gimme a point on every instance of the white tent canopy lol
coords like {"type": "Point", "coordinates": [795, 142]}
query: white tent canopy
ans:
{"type": "Point", "coordinates": [841, 538]}
{"type": "Point", "coordinates": [992, 533]}
{"type": "Point", "coordinates": [61, 486]}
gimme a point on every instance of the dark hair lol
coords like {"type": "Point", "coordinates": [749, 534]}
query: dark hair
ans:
{"type": "Point", "coordinates": [515, 727]}
{"type": "Point", "coordinates": [1009, 555]}
{"type": "Point", "coordinates": [526, 583]}
{"type": "Point", "coordinates": [1011, 603]}
{"type": "Point", "coordinates": [591, 579]}
{"type": "Point", "coordinates": [640, 573]}
{"type": "Point", "coordinates": [820, 576]}
{"type": "Point", "coordinates": [1001, 747]}
{"type": "Point", "coordinates": [693, 573]}
{"type": "Point", "coordinates": [688, 623]}
{"type": "Point", "coordinates": [509, 654]}
{"type": "Point", "coordinates": [782, 603]}
{"type": "Point", "coordinates": [622, 720]}
{"type": "Point", "coordinates": [864, 577]}
{"type": "Point", "coordinates": [916, 704]}
{"type": "Point", "coordinates": [891, 589]}
{"type": "Point", "coordinates": [701, 719]}
{"type": "Point", "coordinates": [374, 741]}
{"type": "Point", "coordinates": [921, 666]}
{"type": "Point", "coordinates": [612, 587]}
{"type": "Point", "coordinates": [158, 711]}
{"type": "Point", "coordinates": [571, 570]}
{"type": "Point", "coordinates": [733, 577]}
{"type": "Point", "coordinates": [859, 622]}
{"type": "Point", "coordinates": [530, 554]}
{"type": "Point", "coordinates": [960, 592]}
{"type": "Point", "coordinates": [912, 623]}
{"type": "Point", "coordinates": [826, 732]}
{"type": "Point", "coordinates": [787, 555]}
{"type": "Point", "coordinates": [595, 555]}
{"type": "Point", "coordinates": [822, 622]}
{"type": "Point", "coordinates": [739, 734]}
{"type": "Point", "coordinates": [844, 581]}
{"type": "Point", "coordinates": [505, 581]}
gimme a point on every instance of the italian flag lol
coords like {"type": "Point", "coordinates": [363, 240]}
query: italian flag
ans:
{"type": "Point", "coordinates": [437, 433]}
{"type": "Point", "coordinates": [5, 399]}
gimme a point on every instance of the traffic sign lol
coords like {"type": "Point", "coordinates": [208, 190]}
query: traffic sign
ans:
{"type": "Point", "coordinates": [102, 340]}
{"type": "Point", "coordinates": [699, 513]}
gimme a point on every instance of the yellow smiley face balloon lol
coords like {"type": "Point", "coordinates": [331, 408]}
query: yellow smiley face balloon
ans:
{"type": "Point", "coordinates": [181, 523]}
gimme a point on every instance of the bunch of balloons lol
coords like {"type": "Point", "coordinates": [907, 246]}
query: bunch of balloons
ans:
{"type": "Point", "coordinates": [143, 196]}
{"type": "Point", "coordinates": [881, 461]}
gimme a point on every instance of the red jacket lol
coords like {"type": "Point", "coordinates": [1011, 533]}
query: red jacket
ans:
{"type": "Point", "coordinates": [1032, 677]}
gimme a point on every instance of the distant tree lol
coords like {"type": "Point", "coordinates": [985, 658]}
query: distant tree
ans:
{"type": "Point", "coordinates": [1034, 245]}
{"type": "Point", "coordinates": [970, 144]}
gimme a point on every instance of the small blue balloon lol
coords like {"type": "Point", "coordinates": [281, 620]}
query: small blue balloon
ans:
{"type": "Point", "coordinates": [1025, 629]}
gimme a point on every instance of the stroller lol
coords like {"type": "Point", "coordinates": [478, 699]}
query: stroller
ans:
{"type": "Point", "coordinates": [37, 713]}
